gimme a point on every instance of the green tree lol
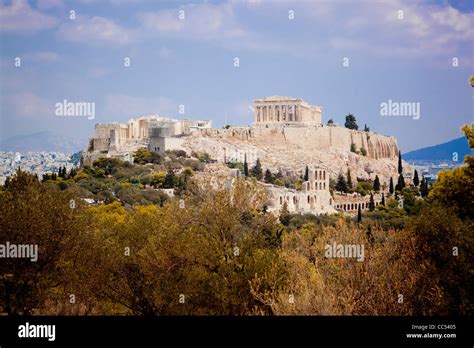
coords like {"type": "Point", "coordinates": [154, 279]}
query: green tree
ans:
{"type": "Point", "coordinates": [366, 129]}
{"type": "Point", "coordinates": [341, 184]}
{"type": "Point", "coordinates": [330, 121]}
{"type": "Point", "coordinates": [424, 188]}
{"type": "Point", "coordinates": [371, 202]}
{"type": "Point", "coordinates": [285, 216]}
{"type": "Point", "coordinates": [257, 170]}
{"type": "Point", "coordinates": [351, 122]}
{"type": "Point", "coordinates": [109, 165]}
{"type": "Point", "coordinates": [306, 174]}
{"type": "Point", "coordinates": [268, 176]}
{"type": "Point", "coordinates": [353, 147]}
{"type": "Point", "coordinates": [54, 221]}
{"type": "Point", "coordinates": [376, 184]}
{"type": "Point", "coordinates": [416, 180]}
{"type": "Point", "coordinates": [400, 183]}
{"type": "Point", "coordinates": [400, 167]}
{"type": "Point", "coordinates": [382, 202]}
{"type": "Point", "coordinates": [142, 156]}
{"type": "Point", "coordinates": [455, 187]}
{"type": "Point", "coordinates": [246, 167]}
{"type": "Point", "coordinates": [359, 215]}
{"type": "Point", "coordinates": [169, 179]}
{"type": "Point", "coordinates": [391, 189]}
{"type": "Point", "coordinates": [349, 180]}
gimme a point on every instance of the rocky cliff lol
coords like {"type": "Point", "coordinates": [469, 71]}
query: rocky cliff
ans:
{"type": "Point", "coordinates": [292, 148]}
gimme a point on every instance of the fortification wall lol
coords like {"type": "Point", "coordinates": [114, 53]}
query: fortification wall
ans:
{"type": "Point", "coordinates": [312, 137]}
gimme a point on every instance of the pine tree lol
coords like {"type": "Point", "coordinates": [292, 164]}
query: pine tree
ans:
{"type": "Point", "coordinates": [351, 122]}
{"type": "Point", "coordinates": [366, 129]}
{"type": "Point", "coordinates": [371, 202]}
{"type": "Point", "coordinates": [359, 215]}
{"type": "Point", "coordinates": [246, 166]}
{"type": "Point", "coordinates": [349, 180]}
{"type": "Point", "coordinates": [416, 180]}
{"type": "Point", "coordinates": [268, 176]}
{"type": "Point", "coordinates": [306, 174]}
{"type": "Point", "coordinates": [341, 184]}
{"type": "Point", "coordinates": [257, 170]}
{"type": "Point", "coordinates": [383, 199]}
{"type": "Point", "coordinates": [391, 190]}
{"type": "Point", "coordinates": [376, 184]}
{"type": "Point", "coordinates": [400, 167]}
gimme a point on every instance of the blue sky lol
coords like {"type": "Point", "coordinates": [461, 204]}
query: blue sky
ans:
{"type": "Point", "coordinates": [190, 61]}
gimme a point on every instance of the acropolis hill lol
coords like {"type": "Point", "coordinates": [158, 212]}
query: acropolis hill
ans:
{"type": "Point", "coordinates": [287, 134]}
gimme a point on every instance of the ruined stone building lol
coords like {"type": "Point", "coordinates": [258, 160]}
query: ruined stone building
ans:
{"type": "Point", "coordinates": [285, 110]}
{"type": "Point", "coordinates": [313, 198]}
{"type": "Point", "coordinates": [153, 132]}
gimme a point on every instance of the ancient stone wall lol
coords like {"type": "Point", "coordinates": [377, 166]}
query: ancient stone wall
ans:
{"type": "Point", "coordinates": [313, 137]}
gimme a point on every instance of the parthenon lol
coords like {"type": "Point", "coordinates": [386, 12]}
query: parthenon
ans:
{"type": "Point", "coordinates": [285, 110]}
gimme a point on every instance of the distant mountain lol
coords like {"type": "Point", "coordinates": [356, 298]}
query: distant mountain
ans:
{"type": "Point", "coordinates": [42, 141]}
{"type": "Point", "coordinates": [441, 152]}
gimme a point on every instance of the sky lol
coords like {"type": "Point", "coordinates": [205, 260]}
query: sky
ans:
{"type": "Point", "coordinates": [213, 58]}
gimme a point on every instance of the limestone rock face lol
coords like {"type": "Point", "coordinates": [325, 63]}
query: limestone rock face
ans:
{"type": "Point", "coordinates": [290, 149]}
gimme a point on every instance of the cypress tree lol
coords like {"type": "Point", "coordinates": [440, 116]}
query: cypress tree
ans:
{"type": "Point", "coordinates": [359, 215]}
{"type": "Point", "coordinates": [376, 184]}
{"type": "Point", "coordinates": [371, 202]}
{"type": "Point", "coordinates": [246, 166]}
{"type": "Point", "coordinates": [416, 180]}
{"type": "Point", "coordinates": [424, 188]}
{"type": "Point", "coordinates": [383, 199]}
{"type": "Point", "coordinates": [391, 190]}
{"type": "Point", "coordinates": [306, 174]}
{"type": "Point", "coordinates": [400, 183]}
{"type": "Point", "coordinates": [400, 167]}
{"type": "Point", "coordinates": [349, 180]}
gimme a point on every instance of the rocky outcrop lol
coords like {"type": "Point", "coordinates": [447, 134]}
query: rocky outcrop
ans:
{"type": "Point", "coordinates": [290, 149]}
{"type": "Point", "coordinates": [312, 137]}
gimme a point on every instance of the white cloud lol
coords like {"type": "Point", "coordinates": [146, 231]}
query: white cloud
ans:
{"type": "Point", "coordinates": [42, 56]}
{"type": "Point", "coordinates": [21, 17]}
{"type": "Point", "coordinates": [202, 22]}
{"type": "Point", "coordinates": [28, 105]}
{"type": "Point", "coordinates": [48, 4]}
{"type": "Point", "coordinates": [94, 29]}
{"type": "Point", "coordinates": [121, 105]}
